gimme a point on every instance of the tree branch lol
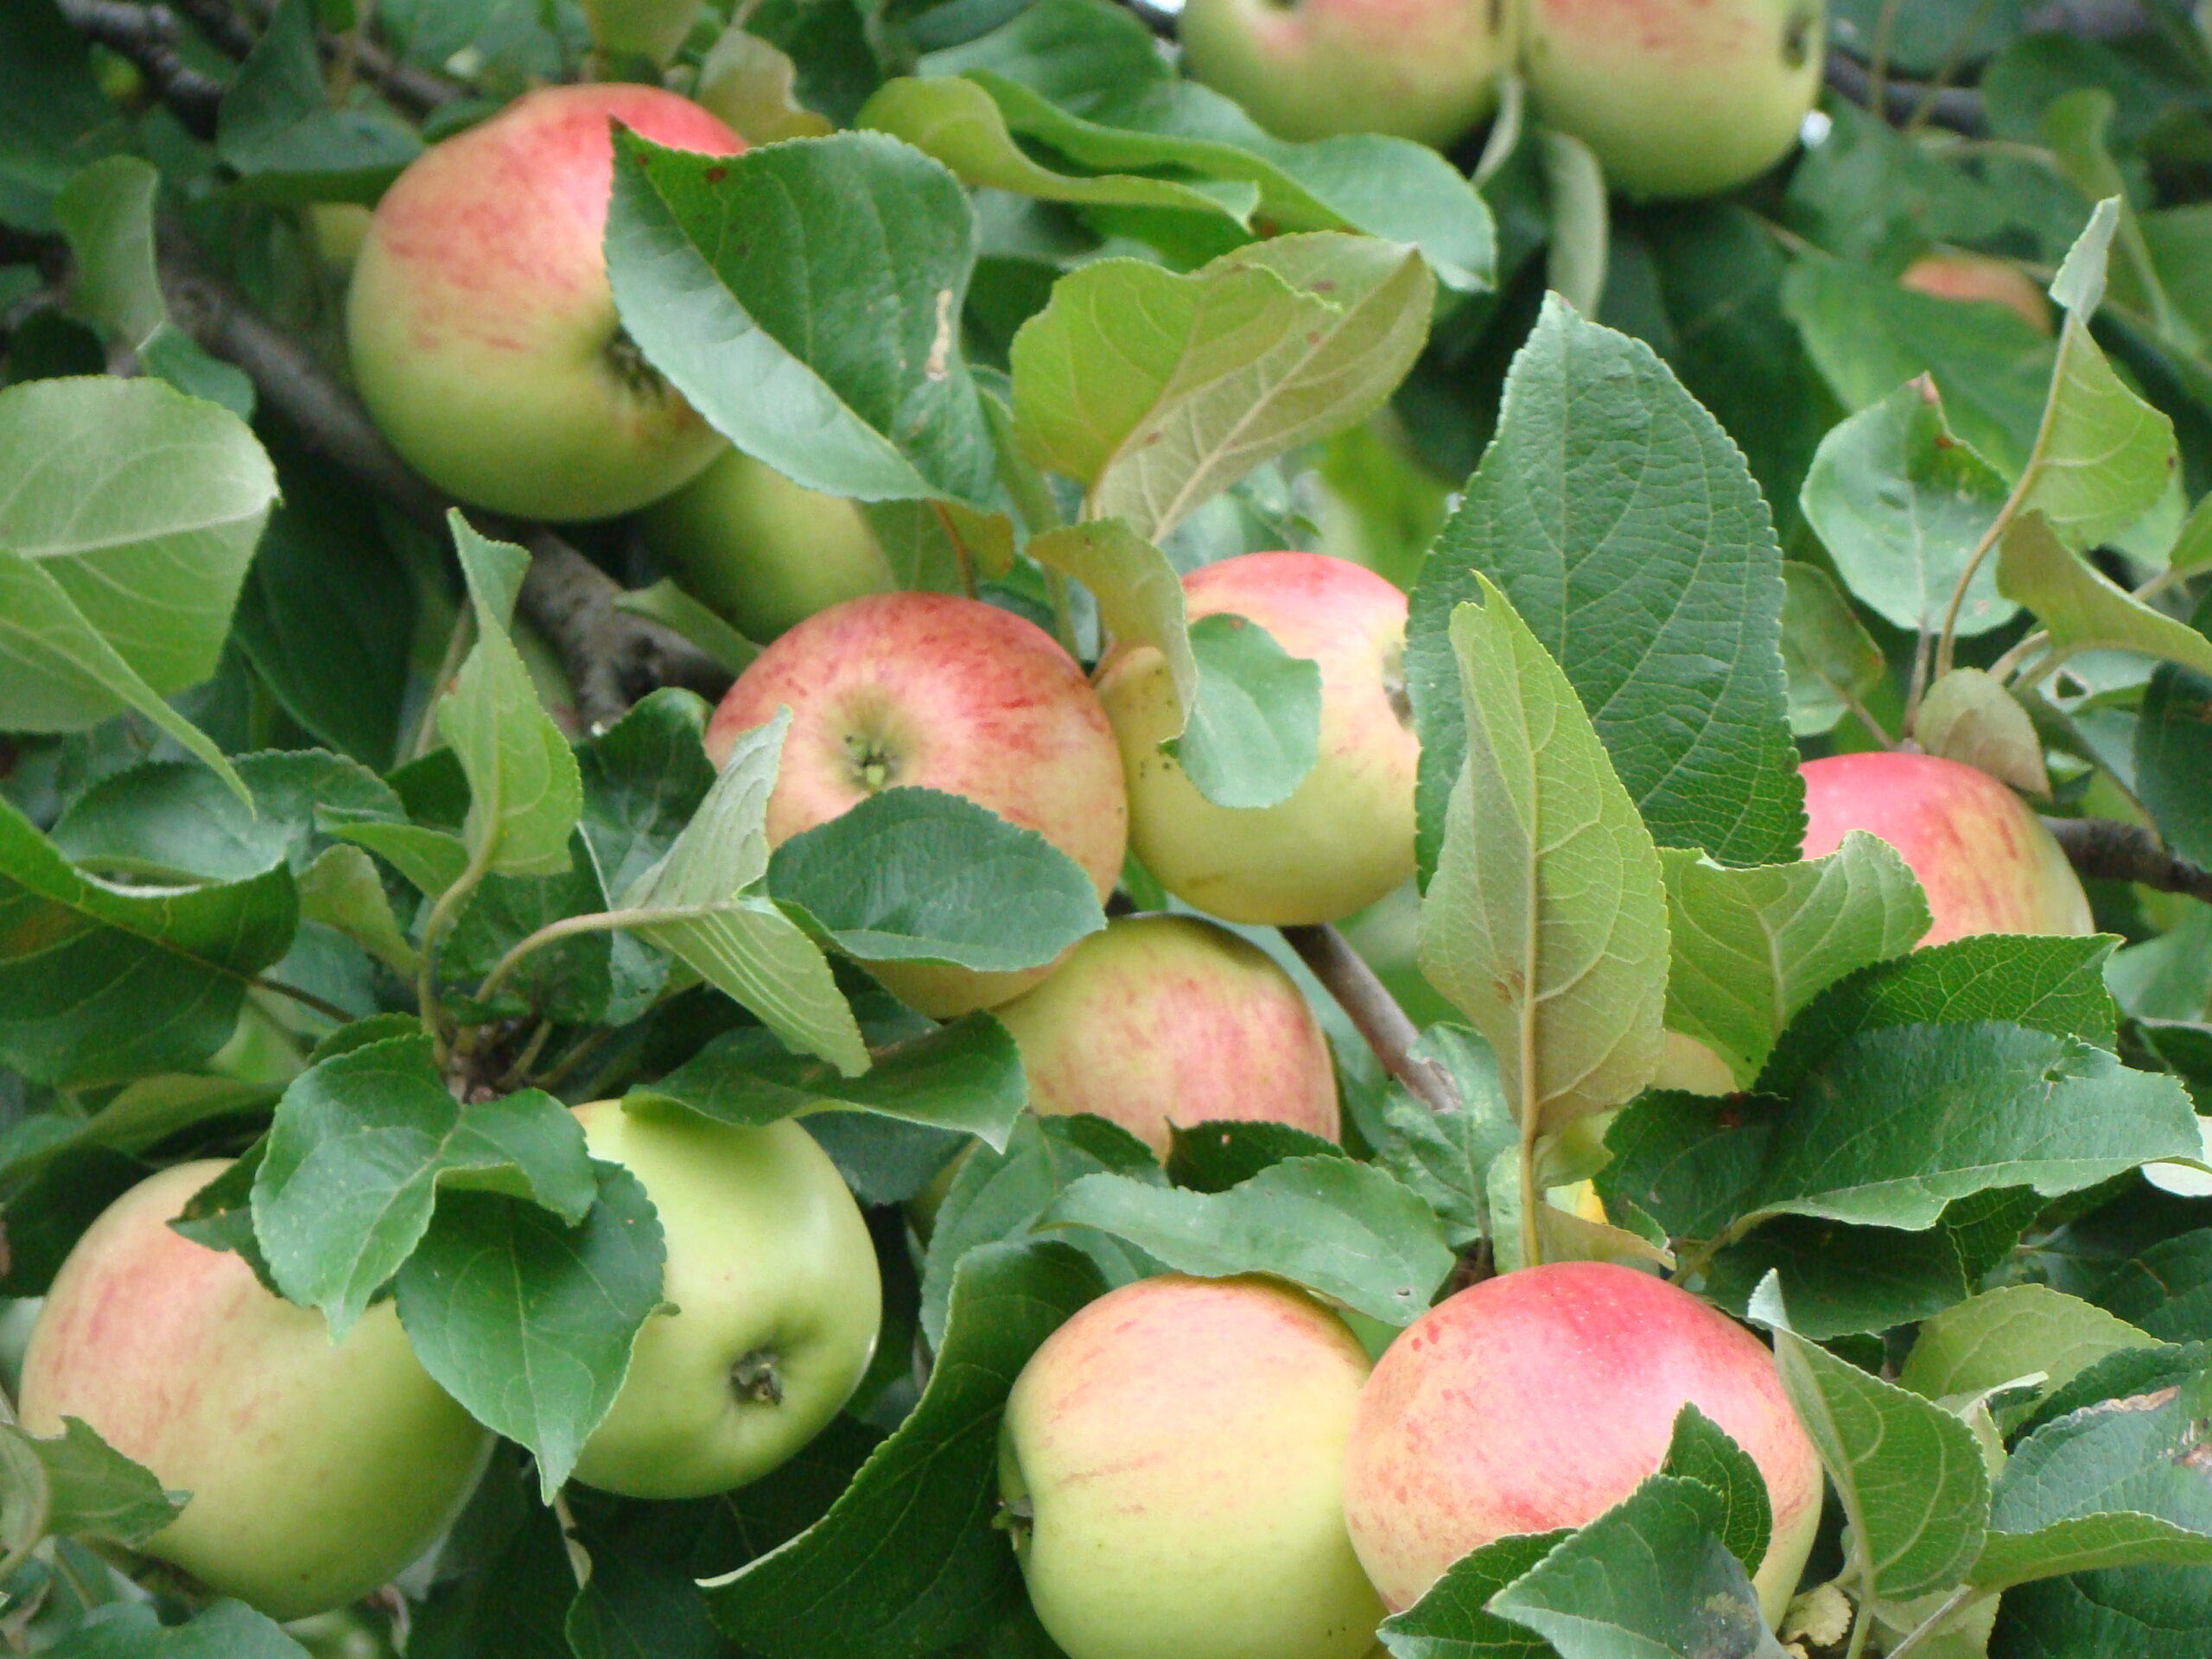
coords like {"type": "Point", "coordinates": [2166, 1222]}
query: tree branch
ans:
{"type": "Point", "coordinates": [2104, 849]}
{"type": "Point", "coordinates": [1957, 108]}
{"type": "Point", "coordinates": [1370, 1006]}
{"type": "Point", "coordinates": [418, 89]}
{"type": "Point", "coordinates": [147, 36]}
{"type": "Point", "coordinates": [225, 29]}
{"type": "Point", "coordinates": [613, 657]}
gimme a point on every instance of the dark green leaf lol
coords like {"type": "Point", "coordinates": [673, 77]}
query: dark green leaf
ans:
{"type": "Point", "coordinates": [1453, 1620]}
{"type": "Point", "coordinates": [278, 129]}
{"type": "Point", "coordinates": [1214, 1157]}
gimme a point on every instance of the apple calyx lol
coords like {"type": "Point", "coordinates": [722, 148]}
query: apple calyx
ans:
{"type": "Point", "coordinates": [1797, 32]}
{"type": "Point", "coordinates": [753, 1379]}
{"type": "Point", "coordinates": [1017, 1518]}
{"type": "Point", "coordinates": [631, 371]}
{"type": "Point", "coordinates": [873, 763]}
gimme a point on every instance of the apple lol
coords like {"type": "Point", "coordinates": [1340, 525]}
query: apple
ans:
{"type": "Point", "coordinates": [1421, 69]}
{"type": "Point", "coordinates": [1166, 1020]}
{"type": "Point", "coordinates": [1543, 1397]}
{"type": "Point", "coordinates": [775, 1295]}
{"type": "Point", "coordinates": [1677, 97]}
{"type": "Point", "coordinates": [1977, 277]}
{"type": "Point", "coordinates": [1345, 836]}
{"type": "Point", "coordinates": [482, 327]}
{"type": "Point", "coordinates": [764, 552]}
{"type": "Point", "coordinates": [643, 28]}
{"type": "Point", "coordinates": [1172, 1460]}
{"type": "Point", "coordinates": [317, 1471]}
{"type": "Point", "coordinates": [938, 692]}
{"type": "Point", "coordinates": [1985, 861]}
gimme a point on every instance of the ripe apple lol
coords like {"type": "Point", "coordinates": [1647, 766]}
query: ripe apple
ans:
{"type": "Point", "coordinates": [316, 1470]}
{"type": "Point", "coordinates": [482, 327]}
{"type": "Point", "coordinates": [1172, 1463]}
{"type": "Point", "coordinates": [944, 693]}
{"type": "Point", "coordinates": [777, 1302]}
{"type": "Point", "coordinates": [1345, 837]}
{"type": "Point", "coordinates": [1985, 861]}
{"type": "Point", "coordinates": [1423, 69]}
{"type": "Point", "coordinates": [1977, 277]}
{"type": "Point", "coordinates": [1543, 1397]}
{"type": "Point", "coordinates": [1166, 1020]}
{"type": "Point", "coordinates": [644, 29]}
{"type": "Point", "coordinates": [1677, 97]}
{"type": "Point", "coordinates": [764, 552]}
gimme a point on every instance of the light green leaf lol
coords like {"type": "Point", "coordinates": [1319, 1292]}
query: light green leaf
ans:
{"type": "Point", "coordinates": [1547, 920]}
{"type": "Point", "coordinates": [524, 792]}
{"type": "Point", "coordinates": [1831, 661]}
{"type": "Point", "coordinates": [1348, 1231]}
{"type": "Point", "coordinates": [957, 121]}
{"type": "Point", "coordinates": [1910, 1475]}
{"type": "Point", "coordinates": [75, 1485]}
{"type": "Point", "coordinates": [1575, 185]}
{"type": "Point", "coordinates": [2083, 609]}
{"type": "Point", "coordinates": [431, 859]}
{"type": "Point", "coordinates": [342, 890]}
{"type": "Point", "coordinates": [2013, 1332]}
{"type": "Point", "coordinates": [669, 605]}
{"type": "Point", "coordinates": [1968, 717]}
{"type": "Point", "coordinates": [753, 88]}
{"type": "Point", "coordinates": [1156, 392]}
{"type": "Point", "coordinates": [1901, 504]}
{"type": "Point", "coordinates": [1749, 948]}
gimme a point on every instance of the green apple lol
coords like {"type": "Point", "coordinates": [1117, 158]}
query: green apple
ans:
{"type": "Point", "coordinates": [1345, 836]}
{"type": "Point", "coordinates": [1172, 1461]}
{"type": "Point", "coordinates": [1161, 1020]}
{"type": "Point", "coordinates": [317, 1471]}
{"type": "Point", "coordinates": [1677, 97]}
{"type": "Point", "coordinates": [642, 29]}
{"type": "Point", "coordinates": [764, 552]}
{"type": "Point", "coordinates": [1543, 1397]}
{"type": "Point", "coordinates": [944, 693]}
{"type": "Point", "coordinates": [776, 1300]}
{"type": "Point", "coordinates": [1423, 69]}
{"type": "Point", "coordinates": [1985, 861]}
{"type": "Point", "coordinates": [482, 327]}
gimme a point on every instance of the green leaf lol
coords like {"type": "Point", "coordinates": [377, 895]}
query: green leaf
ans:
{"type": "Point", "coordinates": [1214, 1156]}
{"type": "Point", "coordinates": [1896, 1124]}
{"type": "Point", "coordinates": [431, 859]}
{"type": "Point", "coordinates": [1156, 392]}
{"type": "Point", "coordinates": [2104, 456]}
{"type": "Point", "coordinates": [1453, 1620]}
{"type": "Point", "coordinates": [2113, 1484]}
{"type": "Point", "coordinates": [907, 1559]}
{"type": "Point", "coordinates": [360, 1148]}
{"type": "Point", "coordinates": [54, 115]}
{"type": "Point", "coordinates": [2173, 753]}
{"type": "Point", "coordinates": [278, 128]}
{"type": "Point", "coordinates": [1619, 519]}
{"type": "Point", "coordinates": [101, 984]}
{"type": "Point", "coordinates": [1971, 718]}
{"type": "Point", "coordinates": [2167, 1290]}
{"type": "Point", "coordinates": [1914, 1488]}
{"type": "Point", "coordinates": [674, 609]}
{"type": "Point", "coordinates": [132, 1630]}
{"type": "Point", "coordinates": [2083, 608]}
{"type": "Point", "coordinates": [2046, 984]}
{"type": "Point", "coordinates": [1446, 1156]}
{"type": "Point", "coordinates": [999, 1197]}
{"type": "Point", "coordinates": [1249, 713]}
{"type": "Point", "coordinates": [107, 213]}
{"type": "Point", "coordinates": [1649, 1577]}
{"type": "Point", "coordinates": [1087, 78]}
{"type": "Point", "coordinates": [528, 1321]}
{"type": "Point", "coordinates": [966, 1076]}
{"type": "Point", "coordinates": [832, 271]}
{"type": "Point", "coordinates": [1749, 948]}
{"type": "Point", "coordinates": [919, 876]}
{"type": "Point", "coordinates": [524, 792]}
{"type": "Point", "coordinates": [1701, 1451]}
{"type": "Point", "coordinates": [1350, 1232]}
{"type": "Point", "coordinates": [753, 86]}
{"type": "Point", "coordinates": [1831, 661]}
{"type": "Point", "coordinates": [168, 821]}
{"type": "Point", "coordinates": [698, 908]}
{"type": "Point", "coordinates": [957, 121]}
{"type": "Point", "coordinates": [1869, 335]}
{"type": "Point", "coordinates": [1546, 923]}
{"type": "Point", "coordinates": [2011, 1333]}
{"type": "Point", "coordinates": [1901, 504]}
{"type": "Point", "coordinates": [76, 1485]}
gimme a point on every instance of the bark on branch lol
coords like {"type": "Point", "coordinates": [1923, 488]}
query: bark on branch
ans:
{"type": "Point", "coordinates": [1368, 1002]}
{"type": "Point", "coordinates": [147, 36]}
{"type": "Point", "coordinates": [2104, 849]}
{"type": "Point", "coordinates": [1957, 108]}
{"type": "Point", "coordinates": [613, 657]}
